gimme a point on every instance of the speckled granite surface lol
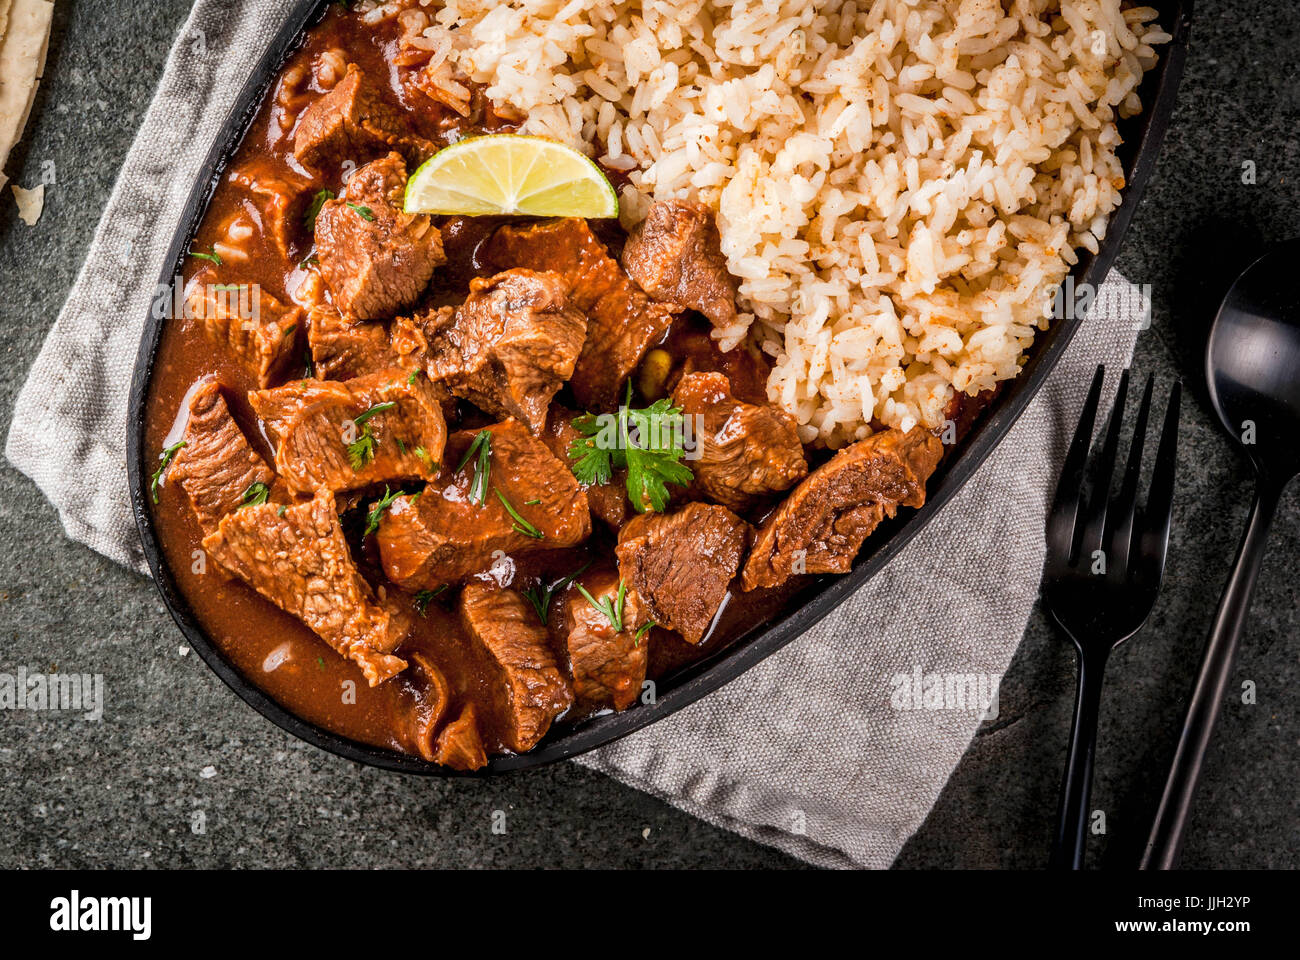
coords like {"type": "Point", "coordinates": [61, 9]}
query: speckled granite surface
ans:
{"type": "Point", "coordinates": [180, 774]}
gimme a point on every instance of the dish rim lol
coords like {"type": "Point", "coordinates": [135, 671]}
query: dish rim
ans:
{"type": "Point", "coordinates": [806, 608]}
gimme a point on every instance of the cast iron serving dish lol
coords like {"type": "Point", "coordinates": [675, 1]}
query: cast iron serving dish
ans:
{"type": "Point", "coordinates": [1142, 136]}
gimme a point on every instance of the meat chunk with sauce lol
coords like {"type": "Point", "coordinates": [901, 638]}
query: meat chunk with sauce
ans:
{"type": "Point", "coordinates": [459, 744]}
{"type": "Point", "coordinates": [675, 255]}
{"type": "Point", "coordinates": [822, 524]}
{"type": "Point", "coordinates": [622, 322]}
{"type": "Point", "coordinates": [259, 330]}
{"type": "Point", "coordinates": [297, 558]}
{"type": "Point", "coordinates": [745, 452]}
{"type": "Point", "coordinates": [680, 564]}
{"type": "Point", "coordinates": [444, 535]}
{"type": "Point", "coordinates": [281, 197]}
{"type": "Point", "coordinates": [342, 349]}
{"type": "Point", "coordinates": [375, 258]}
{"type": "Point", "coordinates": [608, 501]}
{"type": "Point", "coordinates": [320, 445]}
{"type": "Point", "coordinates": [608, 664]}
{"type": "Point", "coordinates": [216, 468]}
{"type": "Point", "coordinates": [511, 345]}
{"type": "Point", "coordinates": [530, 691]}
{"type": "Point", "coordinates": [352, 122]}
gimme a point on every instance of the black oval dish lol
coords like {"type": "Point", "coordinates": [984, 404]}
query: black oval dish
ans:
{"type": "Point", "coordinates": [1143, 135]}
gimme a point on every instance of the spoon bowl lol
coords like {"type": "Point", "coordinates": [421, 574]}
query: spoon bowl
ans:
{"type": "Point", "coordinates": [1252, 363]}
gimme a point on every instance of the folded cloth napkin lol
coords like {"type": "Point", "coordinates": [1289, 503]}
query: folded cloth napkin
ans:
{"type": "Point", "coordinates": [820, 750]}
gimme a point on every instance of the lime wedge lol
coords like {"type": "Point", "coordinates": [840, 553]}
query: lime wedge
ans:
{"type": "Point", "coordinates": [509, 173]}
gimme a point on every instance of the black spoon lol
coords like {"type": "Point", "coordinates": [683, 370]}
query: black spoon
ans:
{"type": "Point", "coordinates": [1252, 365]}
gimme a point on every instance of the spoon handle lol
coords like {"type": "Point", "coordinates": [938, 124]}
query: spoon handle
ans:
{"type": "Point", "coordinates": [1164, 846]}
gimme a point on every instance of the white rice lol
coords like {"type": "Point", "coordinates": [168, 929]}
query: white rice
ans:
{"type": "Point", "coordinates": [900, 184]}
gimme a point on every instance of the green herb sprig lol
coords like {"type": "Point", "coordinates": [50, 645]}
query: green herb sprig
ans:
{"type": "Point", "coordinates": [313, 211]}
{"type": "Point", "coordinates": [520, 524]}
{"type": "Point", "coordinates": [362, 450]}
{"type": "Point", "coordinates": [611, 607]}
{"type": "Point", "coordinates": [166, 458]}
{"type": "Point", "coordinates": [482, 448]}
{"type": "Point", "coordinates": [638, 446]}
{"type": "Point", "coordinates": [540, 597]}
{"type": "Point", "coordinates": [256, 495]}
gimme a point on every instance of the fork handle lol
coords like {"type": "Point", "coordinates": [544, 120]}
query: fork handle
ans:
{"type": "Point", "coordinates": [1164, 846]}
{"type": "Point", "coordinates": [1076, 787]}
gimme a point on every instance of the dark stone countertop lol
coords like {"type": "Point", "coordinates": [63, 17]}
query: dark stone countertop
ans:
{"type": "Point", "coordinates": [176, 748]}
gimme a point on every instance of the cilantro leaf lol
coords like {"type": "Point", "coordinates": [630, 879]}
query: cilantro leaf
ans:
{"type": "Point", "coordinates": [256, 495]}
{"type": "Point", "coordinates": [646, 442]}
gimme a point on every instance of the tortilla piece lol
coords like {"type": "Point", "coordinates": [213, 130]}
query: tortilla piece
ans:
{"type": "Point", "coordinates": [30, 203]}
{"type": "Point", "coordinates": [22, 62]}
{"type": "Point", "coordinates": [4, 17]}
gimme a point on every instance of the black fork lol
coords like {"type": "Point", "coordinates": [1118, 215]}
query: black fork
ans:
{"type": "Point", "coordinates": [1105, 560]}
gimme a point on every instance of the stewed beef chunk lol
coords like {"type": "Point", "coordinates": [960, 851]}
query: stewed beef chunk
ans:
{"type": "Point", "coordinates": [216, 468]}
{"type": "Point", "coordinates": [446, 534]}
{"type": "Point", "coordinates": [281, 197]}
{"type": "Point", "coordinates": [622, 322]}
{"type": "Point", "coordinates": [511, 345]}
{"type": "Point", "coordinates": [321, 446]}
{"type": "Point", "coordinates": [298, 559]}
{"type": "Point", "coordinates": [375, 258]}
{"type": "Point", "coordinates": [675, 255]}
{"type": "Point", "coordinates": [256, 327]}
{"type": "Point", "coordinates": [608, 501]}
{"type": "Point", "coordinates": [820, 527]}
{"type": "Point", "coordinates": [680, 564]}
{"type": "Point", "coordinates": [530, 691]}
{"type": "Point", "coordinates": [608, 664]}
{"type": "Point", "coordinates": [459, 745]}
{"type": "Point", "coordinates": [342, 349]}
{"type": "Point", "coordinates": [745, 452]}
{"type": "Point", "coordinates": [352, 122]}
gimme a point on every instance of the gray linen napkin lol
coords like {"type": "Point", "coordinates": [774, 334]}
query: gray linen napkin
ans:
{"type": "Point", "coordinates": [813, 751]}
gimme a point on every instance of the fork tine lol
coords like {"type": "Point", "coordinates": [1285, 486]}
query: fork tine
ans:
{"type": "Point", "coordinates": [1121, 538]}
{"type": "Point", "coordinates": [1160, 499]}
{"type": "Point", "coordinates": [1069, 489]}
{"type": "Point", "coordinates": [1103, 472]}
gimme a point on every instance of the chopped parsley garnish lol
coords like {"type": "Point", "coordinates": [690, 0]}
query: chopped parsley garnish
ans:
{"type": "Point", "coordinates": [166, 458]}
{"type": "Point", "coordinates": [377, 511]}
{"type": "Point", "coordinates": [280, 512]}
{"type": "Point", "coordinates": [428, 461]}
{"type": "Point", "coordinates": [540, 596]}
{"type": "Point", "coordinates": [320, 663]}
{"type": "Point", "coordinates": [310, 261]}
{"type": "Point", "coordinates": [648, 443]}
{"type": "Point", "coordinates": [482, 448]}
{"type": "Point", "coordinates": [611, 607]}
{"type": "Point", "coordinates": [365, 213]}
{"type": "Point", "coordinates": [362, 450]}
{"type": "Point", "coordinates": [256, 494]}
{"type": "Point", "coordinates": [423, 597]}
{"type": "Point", "coordinates": [214, 257]}
{"type": "Point", "coordinates": [520, 524]}
{"type": "Point", "coordinates": [313, 211]}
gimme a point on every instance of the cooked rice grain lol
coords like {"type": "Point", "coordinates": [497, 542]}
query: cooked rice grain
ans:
{"type": "Point", "coordinates": [899, 184]}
